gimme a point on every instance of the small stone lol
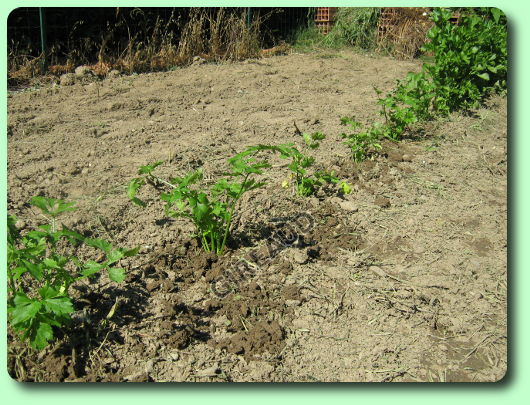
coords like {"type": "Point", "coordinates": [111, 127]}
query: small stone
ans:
{"type": "Point", "coordinates": [197, 60]}
{"type": "Point", "coordinates": [209, 372]}
{"type": "Point", "coordinates": [407, 158]}
{"type": "Point", "coordinates": [81, 71]}
{"type": "Point", "coordinates": [382, 202]}
{"type": "Point", "coordinates": [292, 303]}
{"type": "Point", "coordinates": [68, 79]}
{"type": "Point", "coordinates": [349, 206]}
{"type": "Point", "coordinates": [377, 270]}
{"type": "Point", "coordinates": [314, 202]}
{"type": "Point", "coordinates": [419, 250]}
{"type": "Point", "coordinates": [20, 224]}
{"type": "Point", "coordinates": [300, 256]}
{"type": "Point", "coordinates": [113, 73]}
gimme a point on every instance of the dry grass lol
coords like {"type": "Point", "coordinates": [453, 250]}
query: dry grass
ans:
{"type": "Point", "coordinates": [213, 34]}
{"type": "Point", "coordinates": [403, 31]}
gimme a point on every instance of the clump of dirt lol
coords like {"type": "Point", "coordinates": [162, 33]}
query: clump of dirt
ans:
{"type": "Point", "coordinates": [250, 321]}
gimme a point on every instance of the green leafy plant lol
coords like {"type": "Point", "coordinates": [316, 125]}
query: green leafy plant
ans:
{"type": "Point", "coordinates": [305, 182]}
{"type": "Point", "coordinates": [40, 271]}
{"type": "Point", "coordinates": [471, 57]}
{"type": "Point", "coordinates": [362, 143]}
{"type": "Point", "coordinates": [410, 101]}
{"type": "Point", "coordinates": [211, 210]}
{"type": "Point", "coordinates": [470, 63]}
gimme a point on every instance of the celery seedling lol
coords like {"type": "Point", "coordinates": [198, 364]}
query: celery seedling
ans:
{"type": "Point", "coordinates": [211, 211]}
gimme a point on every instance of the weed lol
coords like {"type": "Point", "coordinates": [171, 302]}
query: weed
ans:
{"type": "Point", "coordinates": [402, 31]}
{"type": "Point", "coordinates": [353, 26]}
{"type": "Point", "coordinates": [40, 272]}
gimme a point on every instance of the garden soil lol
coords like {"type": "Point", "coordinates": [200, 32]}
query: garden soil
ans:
{"type": "Point", "coordinates": [403, 279]}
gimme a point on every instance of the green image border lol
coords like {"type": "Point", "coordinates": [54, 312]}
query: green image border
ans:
{"type": "Point", "coordinates": [515, 385]}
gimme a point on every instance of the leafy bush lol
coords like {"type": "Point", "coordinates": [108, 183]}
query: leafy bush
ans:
{"type": "Point", "coordinates": [410, 102]}
{"type": "Point", "coordinates": [470, 63]}
{"type": "Point", "coordinates": [471, 58]}
{"type": "Point", "coordinates": [40, 272]}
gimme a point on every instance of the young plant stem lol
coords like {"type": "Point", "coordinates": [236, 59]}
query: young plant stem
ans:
{"type": "Point", "coordinates": [167, 183]}
{"type": "Point", "coordinates": [227, 227]}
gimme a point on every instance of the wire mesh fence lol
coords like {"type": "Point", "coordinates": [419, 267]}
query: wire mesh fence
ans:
{"type": "Point", "coordinates": [85, 30]}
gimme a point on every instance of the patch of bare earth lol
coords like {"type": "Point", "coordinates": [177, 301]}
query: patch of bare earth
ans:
{"type": "Point", "coordinates": [404, 279]}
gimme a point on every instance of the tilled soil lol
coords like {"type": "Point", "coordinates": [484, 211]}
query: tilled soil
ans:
{"type": "Point", "coordinates": [403, 279]}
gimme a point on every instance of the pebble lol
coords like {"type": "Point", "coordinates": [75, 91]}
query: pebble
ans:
{"type": "Point", "coordinates": [292, 303]}
{"type": "Point", "coordinates": [20, 224]}
{"type": "Point", "coordinates": [82, 71]}
{"type": "Point", "coordinates": [377, 270]}
{"type": "Point", "coordinates": [300, 256]}
{"type": "Point", "coordinates": [349, 206]}
{"type": "Point", "coordinates": [67, 79]}
{"type": "Point", "coordinates": [113, 73]}
{"type": "Point", "coordinates": [382, 202]}
{"type": "Point", "coordinates": [419, 250]}
{"type": "Point", "coordinates": [209, 372]}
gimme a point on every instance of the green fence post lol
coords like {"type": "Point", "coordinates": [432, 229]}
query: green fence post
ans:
{"type": "Point", "coordinates": [42, 18]}
{"type": "Point", "coordinates": [249, 17]}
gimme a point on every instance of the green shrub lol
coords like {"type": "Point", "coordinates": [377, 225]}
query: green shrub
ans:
{"type": "Point", "coordinates": [470, 58]}
{"type": "Point", "coordinates": [470, 62]}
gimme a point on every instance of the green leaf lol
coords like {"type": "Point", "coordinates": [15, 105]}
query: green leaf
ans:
{"type": "Point", "coordinates": [34, 269]}
{"type": "Point", "coordinates": [147, 169]}
{"type": "Point", "coordinates": [132, 189]}
{"type": "Point", "coordinates": [24, 309]}
{"type": "Point", "coordinates": [71, 235]}
{"type": "Point", "coordinates": [91, 267]}
{"type": "Point", "coordinates": [484, 75]}
{"type": "Point", "coordinates": [496, 13]}
{"type": "Point", "coordinates": [51, 206]}
{"type": "Point", "coordinates": [131, 252]}
{"type": "Point", "coordinates": [99, 244]}
{"type": "Point", "coordinates": [51, 263]}
{"type": "Point", "coordinates": [345, 187]}
{"type": "Point", "coordinates": [12, 232]}
{"type": "Point", "coordinates": [116, 274]}
{"type": "Point", "coordinates": [200, 211]}
{"type": "Point", "coordinates": [307, 138]}
{"type": "Point", "coordinates": [59, 305]}
{"type": "Point", "coordinates": [18, 271]}
{"type": "Point", "coordinates": [42, 336]}
{"type": "Point", "coordinates": [114, 255]}
{"type": "Point", "coordinates": [48, 292]}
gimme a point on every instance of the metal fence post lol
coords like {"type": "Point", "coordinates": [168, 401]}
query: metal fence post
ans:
{"type": "Point", "coordinates": [44, 47]}
{"type": "Point", "coordinates": [249, 17]}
